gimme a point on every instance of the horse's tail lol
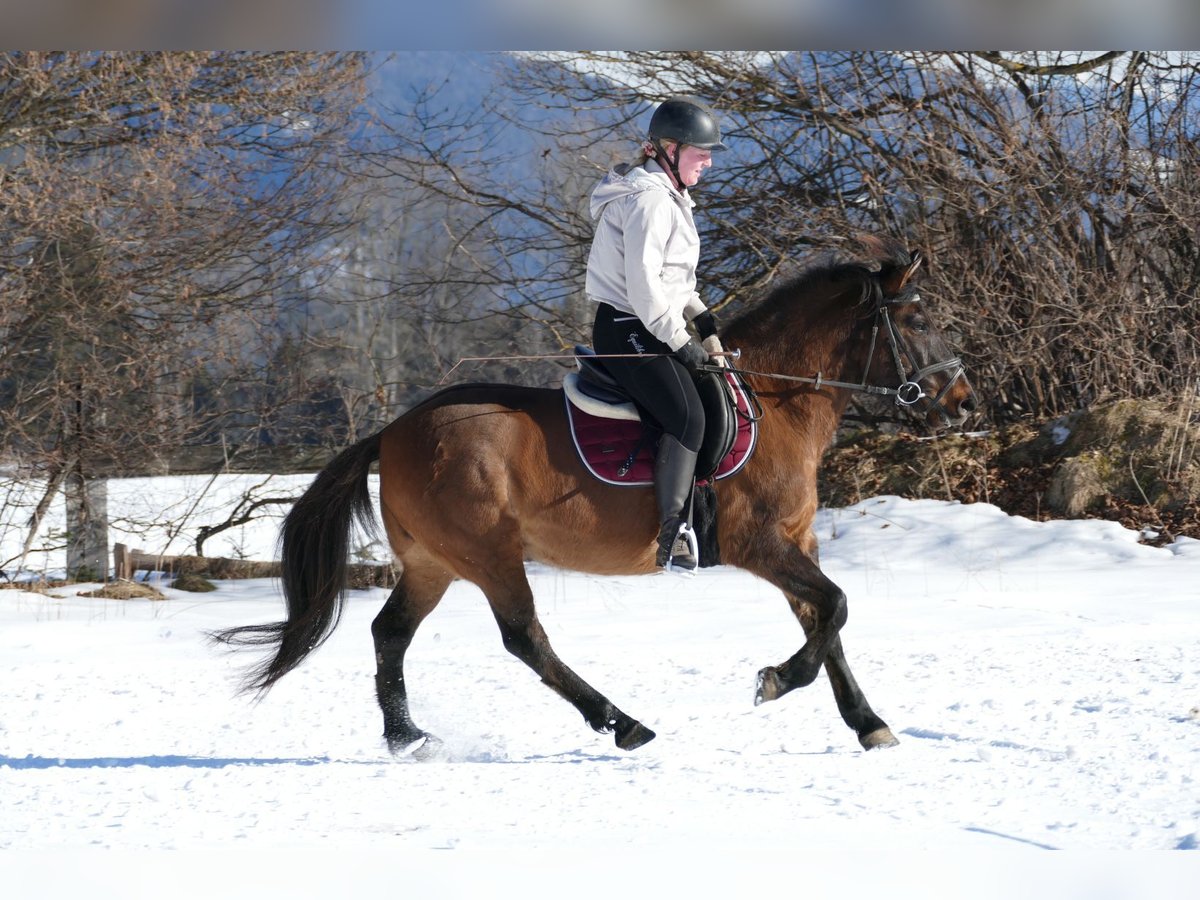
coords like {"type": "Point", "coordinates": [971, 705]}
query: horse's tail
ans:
{"type": "Point", "coordinates": [313, 554]}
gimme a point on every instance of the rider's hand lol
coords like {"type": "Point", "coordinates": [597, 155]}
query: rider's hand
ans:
{"type": "Point", "coordinates": [692, 354]}
{"type": "Point", "coordinates": [712, 345]}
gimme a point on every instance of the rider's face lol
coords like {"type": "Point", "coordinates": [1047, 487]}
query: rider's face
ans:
{"type": "Point", "coordinates": [691, 162]}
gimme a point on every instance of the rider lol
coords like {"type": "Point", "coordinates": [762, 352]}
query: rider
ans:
{"type": "Point", "coordinates": [641, 272]}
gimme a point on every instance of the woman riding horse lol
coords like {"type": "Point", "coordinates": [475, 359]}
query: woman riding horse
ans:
{"type": "Point", "coordinates": [642, 274]}
{"type": "Point", "coordinates": [480, 478]}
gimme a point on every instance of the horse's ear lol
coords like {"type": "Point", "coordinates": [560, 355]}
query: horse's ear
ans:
{"type": "Point", "coordinates": [895, 281]}
{"type": "Point", "coordinates": [912, 269]}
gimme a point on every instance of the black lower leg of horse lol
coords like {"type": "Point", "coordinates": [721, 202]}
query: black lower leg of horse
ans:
{"type": "Point", "coordinates": [856, 712]}
{"type": "Point", "coordinates": [820, 606]}
{"type": "Point", "coordinates": [525, 639]}
{"type": "Point", "coordinates": [393, 629]}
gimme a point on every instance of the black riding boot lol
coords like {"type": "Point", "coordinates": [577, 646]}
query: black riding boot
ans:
{"type": "Point", "coordinates": [674, 475]}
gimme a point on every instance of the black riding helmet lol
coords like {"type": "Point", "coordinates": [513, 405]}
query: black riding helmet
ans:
{"type": "Point", "coordinates": [686, 120]}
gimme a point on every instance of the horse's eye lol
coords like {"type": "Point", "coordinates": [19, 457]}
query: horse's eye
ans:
{"type": "Point", "coordinates": [918, 324]}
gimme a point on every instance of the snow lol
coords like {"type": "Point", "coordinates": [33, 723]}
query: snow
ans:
{"type": "Point", "coordinates": [1041, 677]}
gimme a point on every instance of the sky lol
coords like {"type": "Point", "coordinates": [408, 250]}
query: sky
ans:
{"type": "Point", "coordinates": [1041, 678]}
{"type": "Point", "coordinates": [562, 24]}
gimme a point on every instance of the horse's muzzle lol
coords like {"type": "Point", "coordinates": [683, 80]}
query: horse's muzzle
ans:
{"type": "Point", "coordinates": [954, 403]}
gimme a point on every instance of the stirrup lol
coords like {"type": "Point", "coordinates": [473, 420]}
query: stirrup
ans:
{"type": "Point", "coordinates": [684, 553]}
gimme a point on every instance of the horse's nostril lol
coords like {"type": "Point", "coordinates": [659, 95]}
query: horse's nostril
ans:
{"type": "Point", "coordinates": [968, 404]}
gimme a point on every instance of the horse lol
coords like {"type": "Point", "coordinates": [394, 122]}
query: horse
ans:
{"type": "Point", "coordinates": [479, 478]}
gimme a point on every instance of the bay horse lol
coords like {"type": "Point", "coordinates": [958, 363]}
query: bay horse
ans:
{"type": "Point", "coordinates": [479, 478]}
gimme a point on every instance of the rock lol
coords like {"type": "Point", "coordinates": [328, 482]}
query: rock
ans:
{"type": "Point", "coordinates": [191, 582]}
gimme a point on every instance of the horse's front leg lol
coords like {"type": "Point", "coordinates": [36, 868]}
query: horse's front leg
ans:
{"type": "Point", "coordinates": [820, 606]}
{"type": "Point", "coordinates": [856, 712]}
{"type": "Point", "coordinates": [816, 601]}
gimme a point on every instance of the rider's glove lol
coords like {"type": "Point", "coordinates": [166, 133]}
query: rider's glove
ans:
{"type": "Point", "coordinates": [712, 344]}
{"type": "Point", "coordinates": [692, 354]}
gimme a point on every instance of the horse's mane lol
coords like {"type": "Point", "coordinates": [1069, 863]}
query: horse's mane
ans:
{"type": "Point", "coordinates": [861, 264]}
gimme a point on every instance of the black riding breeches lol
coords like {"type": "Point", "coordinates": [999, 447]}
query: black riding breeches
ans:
{"type": "Point", "coordinates": [662, 385]}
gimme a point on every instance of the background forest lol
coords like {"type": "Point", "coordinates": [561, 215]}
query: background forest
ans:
{"type": "Point", "coordinates": [206, 257]}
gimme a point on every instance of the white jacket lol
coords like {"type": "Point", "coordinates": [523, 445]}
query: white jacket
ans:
{"type": "Point", "coordinates": [645, 251]}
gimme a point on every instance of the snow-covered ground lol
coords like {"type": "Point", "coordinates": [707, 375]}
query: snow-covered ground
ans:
{"type": "Point", "coordinates": [1043, 679]}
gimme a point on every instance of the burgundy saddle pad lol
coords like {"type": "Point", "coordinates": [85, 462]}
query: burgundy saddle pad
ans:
{"type": "Point", "coordinates": [621, 451]}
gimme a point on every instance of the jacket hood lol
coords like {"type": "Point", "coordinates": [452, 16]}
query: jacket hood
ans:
{"type": "Point", "coordinates": [626, 179]}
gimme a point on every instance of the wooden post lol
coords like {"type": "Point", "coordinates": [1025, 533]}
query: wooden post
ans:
{"type": "Point", "coordinates": [122, 563]}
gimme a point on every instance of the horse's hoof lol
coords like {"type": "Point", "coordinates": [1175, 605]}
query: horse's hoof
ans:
{"type": "Point", "coordinates": [634, 735]}
{"type": "Point", "coordinates": [879, 738]}
{"type": "Point", "coordinates": [424, 746]}
{"type": "Point", "coordinates": [431, 749]}
{"type": "Point", "coordinates": [769, 686]}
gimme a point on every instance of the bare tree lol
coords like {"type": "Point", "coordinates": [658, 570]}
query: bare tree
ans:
{"type": "Point", "coordinates": [200, 247]}
{"type": "Point", "coordinates": [500, 272]}
{"type": "Point", "coordinates": [1053, 193]}
{"type": "Point", "coordinates": [157, 207]}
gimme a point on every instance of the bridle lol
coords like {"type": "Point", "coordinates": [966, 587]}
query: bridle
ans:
{"type": "Point", "coordinates": [908, 391]}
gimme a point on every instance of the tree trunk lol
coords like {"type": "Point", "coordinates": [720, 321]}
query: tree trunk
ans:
{"type": "Point", "coordinates": [87, 527]}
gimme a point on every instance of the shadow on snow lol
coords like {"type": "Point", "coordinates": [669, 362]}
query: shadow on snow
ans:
{"type": "Point", "coordinates": [160, 762]}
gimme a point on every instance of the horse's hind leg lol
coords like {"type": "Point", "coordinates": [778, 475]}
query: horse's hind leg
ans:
{"type": "Point", "coordinates": [422, 584]}
{"type": "Point", "coordinates": [511, 599]}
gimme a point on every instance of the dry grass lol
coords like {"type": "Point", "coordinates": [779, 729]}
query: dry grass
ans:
{"type": "Point", "coordinates": [125, 590]}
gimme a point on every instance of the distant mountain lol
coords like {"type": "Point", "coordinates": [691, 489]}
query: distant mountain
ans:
{"type": "Point", "coordinates": [460, 86]}
{"type": "Point", "coordinates": [460, 77]}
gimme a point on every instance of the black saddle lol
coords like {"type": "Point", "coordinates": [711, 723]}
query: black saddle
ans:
{"type": "Point", "coordinates": [595, 381]}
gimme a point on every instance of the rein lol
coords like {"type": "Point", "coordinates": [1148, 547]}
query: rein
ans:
{"type": "Point", "coordinates": [907, 393]}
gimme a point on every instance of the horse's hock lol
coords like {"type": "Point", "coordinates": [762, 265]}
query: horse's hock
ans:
{"type": "Point", "coordinates": [1130, 452]}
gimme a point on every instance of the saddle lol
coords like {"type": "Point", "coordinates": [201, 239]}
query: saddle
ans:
{"type": "Point", "coordinates": [616, 442]}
